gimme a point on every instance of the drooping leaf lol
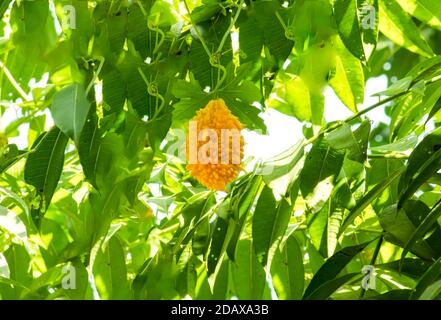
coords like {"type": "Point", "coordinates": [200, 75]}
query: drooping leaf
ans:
{"type": "Point", "coordinates": [399, 229]}
{"type": "Point", "coordinates": [70, 110]}
{"type": "Point", "coordinates": [348, 80]}
{"type": "Point", "coordinates": [399, 28]}
{"type": "Point", "coordinates": [44, 166]}
{"type": "Point", "coordinates": [430, 220]}
{"type": "Point", "coordinates": [287, 271]}
{"type": "Point", "coordinates": [357, 25]}
{"type": "Point", "coordinates": [281, 171]}
{"type": "Point", "coordinates": [425, 10]}
{"type": "Point", "coordinates": [269, 223]}
{"type": "Point", "coordinates": [332, 267]}
{"type": "Point", "coordinates": [423, 163]}
{"type": "Point", "coordinates": [247, 273]}
{"type": "Point", "coordinates": [325, 290]}
{"type": "Point", "coordinates": [355, 142]}
{"type": "Point", "coordinates": [110, 273]}
{"type": "Point", "coordinates": [428, 278]}
{"type": "Point", "coordinates": [367, 199]}
{"type": "Point", "coordinates": [221, 235]}
{"type": "Point", "coordinates": [322, 165]}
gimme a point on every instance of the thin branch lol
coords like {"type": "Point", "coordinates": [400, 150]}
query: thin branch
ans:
{"type": "Point", "coordinates": [364, 111]}
{"type": "Point", "coordinates": [197, 31]}
{"type": "Point", "coordinates": [233, 22]}
{"type": "Point", "coordinates": [388, 156]}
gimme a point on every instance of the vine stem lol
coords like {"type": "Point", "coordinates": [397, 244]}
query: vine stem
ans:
{"type": "Point", "coordinates": [197, 31]}
{"type": "Point", "coordinates": [95, 76]}
{"type": "Point", "coordinates": [233, 22]}
{"type": "Point", "coordinates": [222, 79]}
{"type": "Point", "coordinates": [157, 95]}
{"type": "Point", "coordinates": [280, 20]}
{"type": "Point", "coordinates": [14, 83]}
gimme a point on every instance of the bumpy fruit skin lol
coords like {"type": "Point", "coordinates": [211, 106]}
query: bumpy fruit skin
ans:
{"type": "Point", "coordinates": [215, 176]}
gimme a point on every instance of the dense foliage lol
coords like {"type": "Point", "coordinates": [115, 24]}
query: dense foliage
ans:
{"type": "Point", "coordinates": [98, 204]}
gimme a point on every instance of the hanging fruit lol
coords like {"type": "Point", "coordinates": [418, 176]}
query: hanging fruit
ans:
{"type": "Point", "coordinates": [215, 146]}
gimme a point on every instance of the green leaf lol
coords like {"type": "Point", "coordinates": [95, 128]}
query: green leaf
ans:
{"type": "Point", "coordinates": [206, 11]}
{"type": "Point", "coordinates": [429, 221]}
{"type": "Point", "coordinates": [423, 163]}
{"type": "Point", "coordinates": [399, 28]}
{"type": "Point", "coordinates": [162, 14]}
{"type": "Point", "coordinates": [51, 277]}
{"type": "Point", "coordinates": [18, 261]}
{"type": "Point", "coordinates": [201, 237]}
{"type": "Point", "coordinates": [187, 276]}
{"type": "Point", "coordinates": [89, 148]}
{"type": "Point", "coordinates": [328, 288]}
{"type": "Point", "coordinates": [330, 270]}
{"type": "Point", "coordinates": [243, 200]}
{"type": "Point", "coordinates": [317, 228]}
{"type": "Point", "coordinates": [250, 41]}
{"type": "Point", "coordinates": [44, 166]}
{"type": "Point", "coordinates": [292, 97]}
{"type": "Point", "coordinates": [221, 236]}
{"type": "Point", "coordinates": [287, 271]}
{"type": "Point", "coordinates": [369, 197]}
{"type": "Point", "coordinates": [282, 171]}
{"type": "Point", "coordinates": [10, 157]}
{"type": "Point", "coordinates": [355, 142]}
{"type": "Point", "coordinates": [82, 288]}
{"type": "Point", "coordinates": [247, 273]}
{"type": "Point", "coordinates": [114, 91]}
{"type": "Point", "coordinates": [401, 145]}
{"type": "Point", "coordinates": [409, 112]}
{"type": "Point", "coordinates": [270, 221]}
{"type": "Point", "coordinates": [221, 284]}
{"type": "Point", "coordinates": [348, 80]}
{"type": "Point", "coordinates": [398, 294]}
{"type": "Point", "coordinates": [70, 109]}
{"type": "Point", "coordinates": [413, 268]}
{"type": "Point", "coordinates": [322, 165]}
{"type": "Point", "coordinates": [355, 25]}
{"type": "Point", "coordinates": [426, 69]}
{"type": "Point", "coordinates": [428, 169]}
{"type": "Point", "coordinates": [142, 37]}
{"type": "Point", "coordinates": [350, 184]}
{"type": "Point", "coordinates": [436, 107]}
{"type": "Point", "coordinates": [346, 15]}
{"type": "Point", "coordinates": [429, 277]}
{"type": "Point", "coordinates": [110, 273]}
{"type": "Point", "coordinates": [238, 95]}
{"type": "Point", "coordinates": [274, 34]}
{"type": "Point", "coordinates": [398, 87]}
{"type": "Point", "coordinates": [399, 229]}
{"type": "Point", "coordinates": [157, 277]}
{"type": "Point", "coordinates": [324, 225]}
{"type": "Point", "coordinates": [425, 10]}
{"type": "Point", "coordinates": [432, 292]}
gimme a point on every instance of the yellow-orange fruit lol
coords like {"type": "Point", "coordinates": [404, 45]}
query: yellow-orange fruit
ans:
{"type": "Point", "coordinates": [222, 146]}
